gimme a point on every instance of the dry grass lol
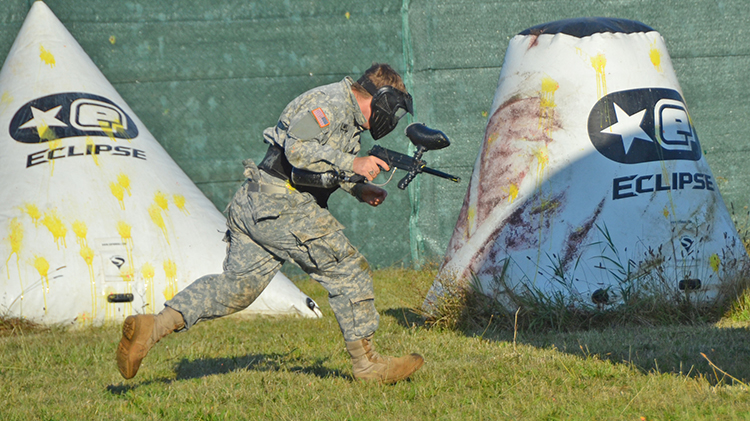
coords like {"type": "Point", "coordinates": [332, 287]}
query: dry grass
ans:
{"type": "Point", "coordinates": [290, 369]}
{"type": "Point", "coordinates": [10, 326]}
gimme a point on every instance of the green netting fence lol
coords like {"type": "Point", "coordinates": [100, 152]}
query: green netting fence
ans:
{"type": "Point", "coordinates": [207, 77]}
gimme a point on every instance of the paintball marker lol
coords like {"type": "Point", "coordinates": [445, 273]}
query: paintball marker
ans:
{"type": "Point", "coordinates": [421, 136]}
{"type": "Point", "coordinates": [425, 139]}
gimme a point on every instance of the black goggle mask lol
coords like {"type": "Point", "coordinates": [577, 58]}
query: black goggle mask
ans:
{"type": "Point", "coordinates": [387, 107]}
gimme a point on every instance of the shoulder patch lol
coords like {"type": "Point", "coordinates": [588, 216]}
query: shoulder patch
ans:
{"type": "Point", "coordinates": [305, 127]}
{"type": "Point", "coordinates": [320, 117]}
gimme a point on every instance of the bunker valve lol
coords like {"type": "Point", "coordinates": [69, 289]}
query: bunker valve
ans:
{"type": "Point", "coordinates": [421, 136]}
{"type": "Point", "coordinates": [370, 366]}
{"type": "Point", "coordinates": [140, 333]}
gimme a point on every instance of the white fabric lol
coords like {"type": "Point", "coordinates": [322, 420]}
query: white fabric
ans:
{"type": "Point", "coordinates": [91, 205]}
{"type": "Point", "coordinates": [563, 213]}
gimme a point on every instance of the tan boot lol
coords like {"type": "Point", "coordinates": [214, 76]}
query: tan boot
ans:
{"type": "Point", "coordinates": [140, 333]}
{"type": "Point", "coordinates": [369, 365]}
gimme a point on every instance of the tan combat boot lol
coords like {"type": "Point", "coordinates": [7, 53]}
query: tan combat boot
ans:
{"type": "Point", "coordinates": [369, 365]}
{"type": "Point", "coordinates": [140, 333]}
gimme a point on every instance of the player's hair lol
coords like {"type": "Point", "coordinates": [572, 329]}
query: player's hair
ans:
{"type": "Point", "coordinates": [381, 74]}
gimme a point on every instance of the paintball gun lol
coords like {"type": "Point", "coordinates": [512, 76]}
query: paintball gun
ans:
{"type": "Point", "coordinates": [425, 139]}
{"type": "Point", "coordinates": [421, 136]}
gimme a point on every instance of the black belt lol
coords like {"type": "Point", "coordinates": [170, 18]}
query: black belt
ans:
{"type": "Point", "coordinates": [276, 165]}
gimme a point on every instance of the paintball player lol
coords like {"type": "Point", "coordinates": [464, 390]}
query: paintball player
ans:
{"type": "Point", "coordinates": [271, 220]}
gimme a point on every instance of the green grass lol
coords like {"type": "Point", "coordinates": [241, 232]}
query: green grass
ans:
{"type": "Point", "coordinates": [290, 369]}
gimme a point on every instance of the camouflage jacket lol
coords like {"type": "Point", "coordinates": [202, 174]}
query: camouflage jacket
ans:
{"type": "Point", "coordinates": [320, 129]}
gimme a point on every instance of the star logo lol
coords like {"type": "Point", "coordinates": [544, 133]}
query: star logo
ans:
{"type": "Point", "coordinates": [628, 127]}
{"type": "Point", "coordinates": [70, 114]}
{"type": "Point", "coordinates": [657, 117]}
{"type": "Point", "coordinates": [43, 120]}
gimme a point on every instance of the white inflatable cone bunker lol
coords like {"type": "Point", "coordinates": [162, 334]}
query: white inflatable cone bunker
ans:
{"type": "Point", "coordinates": [98, 222]}
{"type": "Point", "coordinates": [590, 183]}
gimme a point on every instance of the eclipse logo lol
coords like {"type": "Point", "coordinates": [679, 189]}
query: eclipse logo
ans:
{"type": "Point", "coordinates": [70, 114]}
{"type": "Point", "coordinates": [643, 125]}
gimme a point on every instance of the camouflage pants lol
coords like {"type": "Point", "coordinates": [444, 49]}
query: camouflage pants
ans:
{"type": "Point", "coordinates": [264, 230]}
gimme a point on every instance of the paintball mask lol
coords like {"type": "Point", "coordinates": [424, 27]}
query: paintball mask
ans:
{"type": "Point", "coordinates": [388, 106]}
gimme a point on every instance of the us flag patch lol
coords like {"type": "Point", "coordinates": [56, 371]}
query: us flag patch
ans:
{"type": "Point", "coordinates": [320, 117]}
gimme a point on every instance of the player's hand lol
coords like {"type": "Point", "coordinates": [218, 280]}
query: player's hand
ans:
{"type": "Point", "coordinates": [370, 194]}
{"type": "Point", "coordinates": [369, 166]}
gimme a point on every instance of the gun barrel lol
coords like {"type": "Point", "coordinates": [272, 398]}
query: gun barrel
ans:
{"type": "Point", "coordinates": [441, 174]}
{"type": "Point", "coordinates": [409, 164]}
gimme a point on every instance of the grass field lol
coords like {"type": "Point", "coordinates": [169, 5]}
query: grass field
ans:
{"type": "Point", "coordinates": [294, 369]}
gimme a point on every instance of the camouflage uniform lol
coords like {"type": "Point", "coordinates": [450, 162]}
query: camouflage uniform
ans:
{"type": "Point", "coordinates": [318, 131]}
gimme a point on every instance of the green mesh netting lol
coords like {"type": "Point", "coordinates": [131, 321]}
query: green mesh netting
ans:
{"type": "Point", "coordinates": [207, 77]}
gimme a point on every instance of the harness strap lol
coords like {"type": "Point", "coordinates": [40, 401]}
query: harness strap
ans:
{"type": "Point", "coordinates": [252, 186]}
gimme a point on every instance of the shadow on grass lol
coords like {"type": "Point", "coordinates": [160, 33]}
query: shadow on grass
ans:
{"type": "Point", "coordinates": [718, 354]}
{"type": "Point", "coordinates": [191, 369]}
{"type": "Point", "coordinates": [203, 367]}
{"type": "Point", "coordinates": [405, 317]}
{"type": "Point", "coordinates": [721, 355]}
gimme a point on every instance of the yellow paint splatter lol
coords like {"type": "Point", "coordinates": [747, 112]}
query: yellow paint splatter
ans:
{"type": "Point", "coordinates": [147, 271]}
{"type": "Point", "coordinates": [655, 55]}
{"type": "Point", "coordinates": [16, 241]}
{"type": "Point", "coordinates": [118, 192]}
{"type": "Point", "coordinates": [46, 57]}
{"type": "Point", "coordinates": [54, 144]}
{"type": "Point", "coordinates": [47, 134]}
{"type": "Point", "coordinates": [715, 262]}
{"type": "Point", "coordinates": [87, 254]}
{"type": "Point", "coordinates": [148, 278]}
{"type": "Point", "coordinates": [599, 63]}
{"type": "Point", "coordinates": [547, 103]}
{"type": "Point", "coordinates": [542, 160]}
{"type": "Point", "coordinates": [347, 15]}
{"type": "Point", "coordinates": [666, 212]}
{"type": "Point", "coordinates": [170, 269]}
{"type": "Point", "coordinates": [55, 226]}
{"type": "Point", "coordinates": [549, 86]}
{"type": "Point", "coordinates": [124, 181]}
{"type": "Point", "coordinates": [84, 319]}
{"type": "Point", "coordinates": [5, 100]}
{"type": "Point", "coordinates": [124, 229]}
{"type": "Point", "coordinates": [546, 206]}
{"type": "Point", "coordinates": [512, 192]}
{"type": "Point", "coordinates": [110, 128]}
{"type": "Point", "coordinates": [112, 39]}
{"type": "Point", "coordinates": [161, 200]}
{"type": "Point", "coordinates": [471, 218]}
{"type": "Point", "coordinates": [127, 273]}
{"type": "Point", "coordinates": [110, 308]}
{"type": "Point", "coordinates": [42, 266]}
{"type": "Point", "coordinates": [16, 236]}
{"type": "Point", "coordinates": [80, 229]}
{"type": "Point", "coordinates": [33, 212]}
{"type": "Point", "coordinates": [155, 212]}
{"type": "Point", "coordinates": [179, 201]}
{"type": "Point", "coordinates": [90, 146]}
